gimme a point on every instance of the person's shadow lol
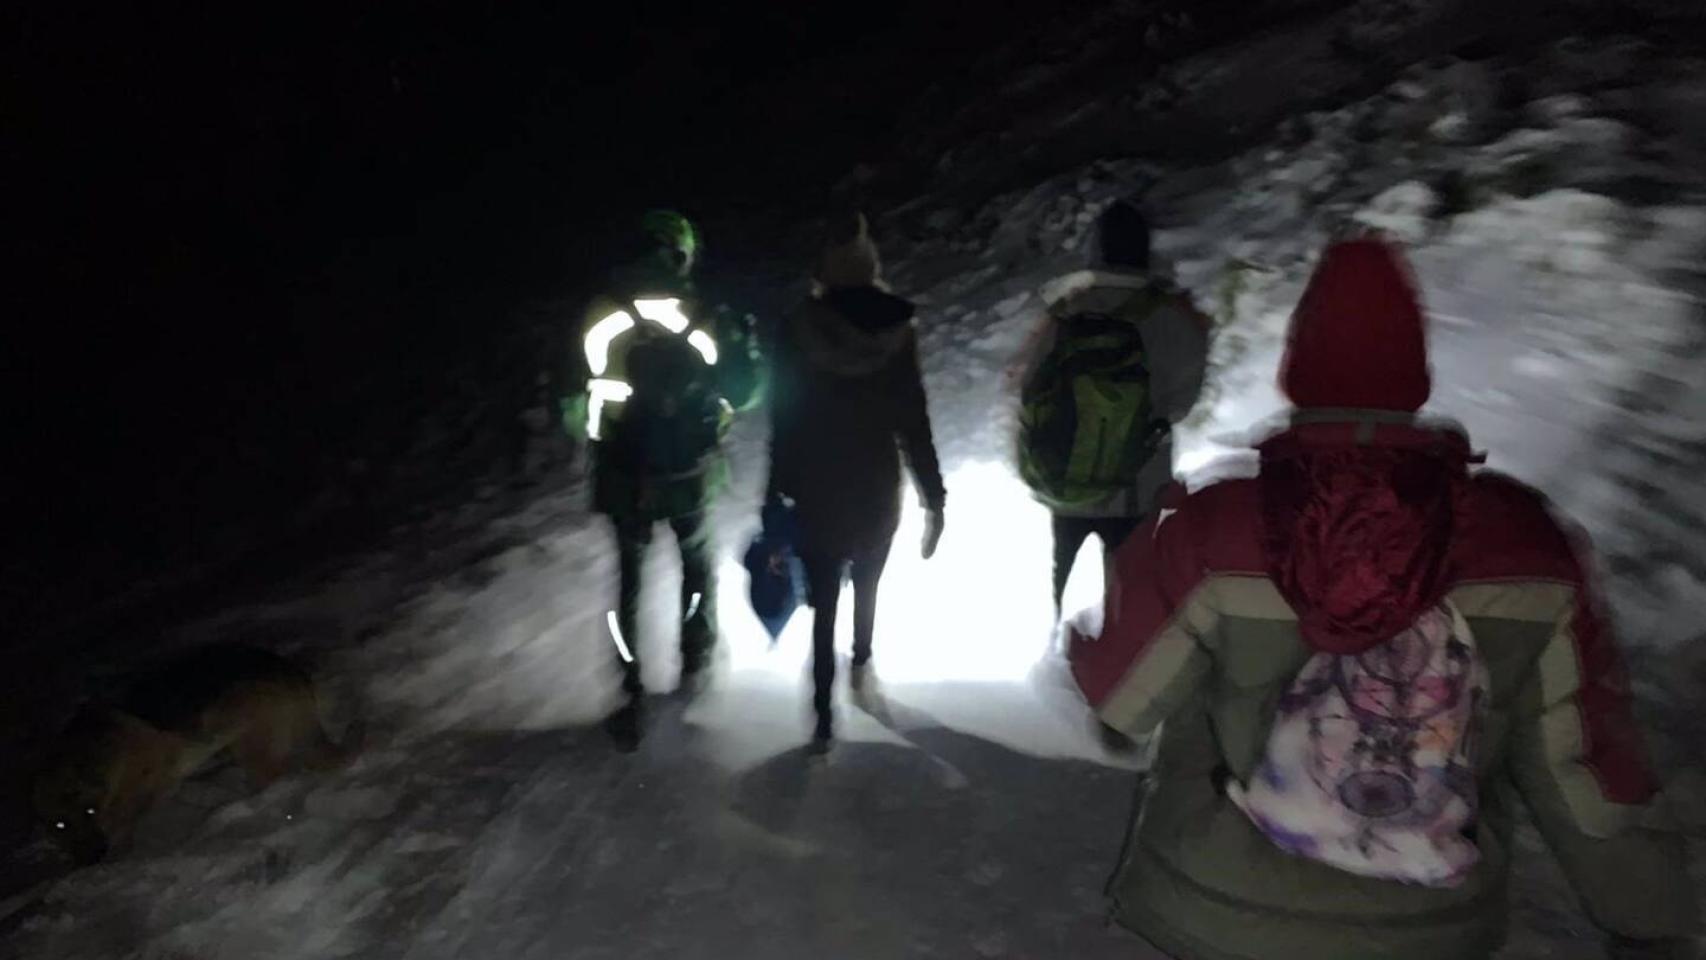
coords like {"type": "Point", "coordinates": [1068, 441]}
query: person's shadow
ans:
{"type": "Point", "coordinates": [946, 836]}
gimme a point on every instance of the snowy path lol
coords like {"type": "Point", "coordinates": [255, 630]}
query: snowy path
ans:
{"type": "Point", "coordinates": [889, 850]}
{"type": "Point", "coordinates": [916, 838]}
{"type": "Point", "coordinates": [964, 813]}
{"type": "Point", "coordinates": [972, 815]}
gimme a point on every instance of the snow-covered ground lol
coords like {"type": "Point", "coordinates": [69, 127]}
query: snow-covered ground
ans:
{"type": "Point", "coordinates": [1556, 212]}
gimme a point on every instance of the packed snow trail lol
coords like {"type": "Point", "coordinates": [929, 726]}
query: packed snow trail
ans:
{"type": "Point", "coordinates": [968, 812]}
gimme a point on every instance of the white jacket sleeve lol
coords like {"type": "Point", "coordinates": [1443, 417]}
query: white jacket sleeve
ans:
{"type": "Point", "coordinates": [1175, 336]}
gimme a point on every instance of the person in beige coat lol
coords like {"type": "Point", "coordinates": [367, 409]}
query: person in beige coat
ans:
{"type": "Point", "coordinates": [1117, 360]}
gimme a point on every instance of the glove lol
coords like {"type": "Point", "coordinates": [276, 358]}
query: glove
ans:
{"type": "Point", "coordinates": [932, 532]}
{"type": "Point", "coordinates": [1629, 948]}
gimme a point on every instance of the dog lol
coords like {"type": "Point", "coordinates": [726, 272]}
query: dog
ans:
{"type": "Point", "coordinates": [114, 761]}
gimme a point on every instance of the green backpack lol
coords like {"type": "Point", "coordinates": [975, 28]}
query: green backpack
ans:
{"type": "Point", "coordinates": [1086, 424]}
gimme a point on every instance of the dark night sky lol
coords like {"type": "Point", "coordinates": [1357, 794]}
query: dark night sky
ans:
{"type": "Point", "coordinates": [231, 224]}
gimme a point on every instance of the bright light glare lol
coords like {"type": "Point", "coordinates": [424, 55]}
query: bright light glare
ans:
{"type": "Point", "coordinates": [599, 393]}
{"type": "Point", "coordinates": [702, 342]}
{"type": "Point", "coordinates": [980, 611]}
{"type": "Point", "coordinates": [599, 338]}
{"type": "Point", "coordinates": [665, 312]}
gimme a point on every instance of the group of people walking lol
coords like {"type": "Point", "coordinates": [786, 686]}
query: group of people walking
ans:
{"type": "Point", "coordinates": [1352, 669]}
{"type": "Point", "coordinates": [657, 374]}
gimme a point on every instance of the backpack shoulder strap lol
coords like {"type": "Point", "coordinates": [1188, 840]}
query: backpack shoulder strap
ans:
{"type": "Point", "coordinates": [1459, 624]}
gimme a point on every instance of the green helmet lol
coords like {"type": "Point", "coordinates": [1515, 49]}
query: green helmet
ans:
{"type": "Point", "coordinates": [674, 232]}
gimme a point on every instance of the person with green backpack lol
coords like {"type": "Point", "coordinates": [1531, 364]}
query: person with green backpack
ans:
{"type": "Point", "coordinates": [1117, 361]}
{"type": "Point", "coordinates": [654, 378]}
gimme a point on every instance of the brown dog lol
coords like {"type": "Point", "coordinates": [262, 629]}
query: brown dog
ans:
{"type": "Point", "coordinates": [112, 763]}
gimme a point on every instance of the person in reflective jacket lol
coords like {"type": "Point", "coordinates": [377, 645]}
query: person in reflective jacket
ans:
{"type": "Point", "coordinates": [655, 376]}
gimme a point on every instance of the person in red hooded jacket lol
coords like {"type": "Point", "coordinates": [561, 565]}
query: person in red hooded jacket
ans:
{"type": "Point", "coordinates": [1248, 603]}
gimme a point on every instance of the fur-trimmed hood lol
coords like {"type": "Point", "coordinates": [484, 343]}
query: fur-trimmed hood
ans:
{"type": "Point", "coordinates": [1110, 282]}
{"type": "Point", "coordinates": [852, 331]}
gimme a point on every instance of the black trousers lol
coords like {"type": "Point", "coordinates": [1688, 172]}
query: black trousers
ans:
{"type": "Point", "coordinates": [1069, 536]}
{"type": "Point", "coordinates": [824, 576]}
{"type": "Point", "coordinates": [698, 591]}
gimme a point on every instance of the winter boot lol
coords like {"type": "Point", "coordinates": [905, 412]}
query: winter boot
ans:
{"type": "Point", "coordinates": [859, 677]}
{"type": "Point", "coordinates": [626, 726]}
{"type": "Point", "coordinates": [697, 645]}
{"type": "Point", "coordinates": [864, 689]}
{"type": "Point", "coordinates": [695, 669]}
{"type": "Point", "coordinates": [823, 737]}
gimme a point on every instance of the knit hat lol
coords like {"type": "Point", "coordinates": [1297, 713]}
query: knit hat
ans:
{"type": "Point", "coordinates": [850, 258]}
{"type": "Point", "coordinates": [1123, 236]}
{"type": "Point", "coordinates": [1358, 337]}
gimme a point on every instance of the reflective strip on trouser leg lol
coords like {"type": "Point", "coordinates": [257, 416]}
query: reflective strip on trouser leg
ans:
{"type": "Point", "coordinates": [631, 541]}
{"type": "Point", "coordinates": [616, 635]}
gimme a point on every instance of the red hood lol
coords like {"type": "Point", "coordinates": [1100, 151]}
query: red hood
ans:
{"type": "Point", "coordinates": [1358, 339]}
{"type": "Point", "coordinates": [1358, 517]}
{"type": "Point", "coordinates": [1358, 520]}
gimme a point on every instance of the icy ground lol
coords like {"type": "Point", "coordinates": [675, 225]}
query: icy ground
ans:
{"type": "Point", "coordinates": [1560, 234]}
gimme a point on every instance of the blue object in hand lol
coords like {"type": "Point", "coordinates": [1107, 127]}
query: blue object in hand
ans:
{"type": "Point", "coordinates": [778, 576]}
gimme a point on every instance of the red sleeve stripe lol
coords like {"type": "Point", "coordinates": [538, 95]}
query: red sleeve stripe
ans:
{"type": "Point", "coordinates": [1511, 534]}
{"type": "Point", "coordinates": [1612, 747]}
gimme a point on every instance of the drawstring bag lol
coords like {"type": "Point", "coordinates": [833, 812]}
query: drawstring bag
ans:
{"type": "Point", "coordinates": [1370, 766]}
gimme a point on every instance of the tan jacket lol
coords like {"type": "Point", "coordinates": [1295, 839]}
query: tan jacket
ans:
{"type": "Point", "coordinates": [1175, 338]}
{"type": "Point", "coordinates": [1202, 638]}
